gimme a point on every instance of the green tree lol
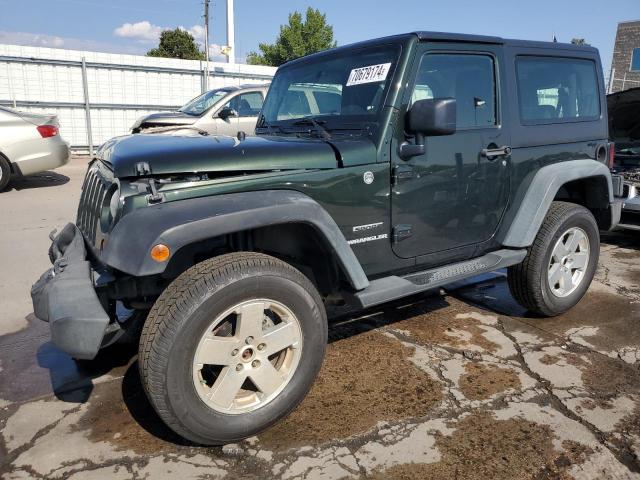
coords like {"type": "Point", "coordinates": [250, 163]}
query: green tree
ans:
{"type": "Point", "coordinates": [296, 39]}
{"type": "Point", "coordinates": [579, 41]}
{"type": "Point", "coordinates": [177, 43]}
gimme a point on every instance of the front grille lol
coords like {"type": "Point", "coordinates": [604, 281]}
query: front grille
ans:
{"type": "Point", "coordinates": [94, 190]}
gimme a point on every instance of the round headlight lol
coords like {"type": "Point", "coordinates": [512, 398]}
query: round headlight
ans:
{"type": "Point", "coordinates": [114, 204]}
{"type": "Point", "coordinates": [110, 209]}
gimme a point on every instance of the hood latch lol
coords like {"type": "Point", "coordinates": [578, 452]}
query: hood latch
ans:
{"type": "Point", "coordinates": [155, 197]}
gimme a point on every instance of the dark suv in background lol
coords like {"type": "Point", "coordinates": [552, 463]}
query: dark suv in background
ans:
{"type": "Point", "coordinates": [428, 158]}
{"type": "Point", "coordinates": [624, 129]}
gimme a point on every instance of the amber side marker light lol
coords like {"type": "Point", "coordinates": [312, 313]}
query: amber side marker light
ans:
{"type": "Point", "coordinates": [160, 252]}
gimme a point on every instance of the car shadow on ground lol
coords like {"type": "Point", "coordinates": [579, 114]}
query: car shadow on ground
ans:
{"type": "Point", "coordinates": [72, 380]}
{"type": "Point", "coordinates": [622, 238]}
{"type": "Point", "coordinates": [141, 410]}
{"type": "Point", "coordinates": [38, 180]}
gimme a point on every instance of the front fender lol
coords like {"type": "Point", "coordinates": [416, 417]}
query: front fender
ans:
{"type": "Point", "coordinates": [180, 223]}
{"type": "Point", "coordinates": [541, 192]}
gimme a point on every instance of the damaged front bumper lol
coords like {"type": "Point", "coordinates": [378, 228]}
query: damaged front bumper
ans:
{"type": "Point", "coordinates": [65, 297]}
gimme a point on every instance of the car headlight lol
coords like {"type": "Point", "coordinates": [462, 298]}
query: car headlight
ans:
{"type": "Point", "coordinates": [110, 208]}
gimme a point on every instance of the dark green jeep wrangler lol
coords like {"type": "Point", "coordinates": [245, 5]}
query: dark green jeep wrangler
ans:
{"type": "Point", "coordinates": [379, 170]}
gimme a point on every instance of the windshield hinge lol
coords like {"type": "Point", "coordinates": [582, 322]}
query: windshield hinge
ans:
{"type": "Point", "coordinates": [401, 172]}
{"type": "Point", "coordinates": [402, 232]}
{"type": "Point", "coordinates": [142, 168]}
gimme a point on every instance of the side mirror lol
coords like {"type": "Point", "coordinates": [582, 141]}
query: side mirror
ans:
{"type": "Point", "coordinates": [227, 112]}
{"type": "Point", "coordinates": [431, 117]}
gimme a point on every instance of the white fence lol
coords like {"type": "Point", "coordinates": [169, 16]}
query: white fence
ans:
{"type": "Point", "coordinates": [99, 95]}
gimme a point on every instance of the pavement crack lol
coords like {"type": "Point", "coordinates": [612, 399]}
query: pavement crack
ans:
{"type": "Point", "coordinates": [39, 434]}
{"type": "Point", "coordinates": [437, 365]}
{"type": "Point", "coordinates": [624, 456]}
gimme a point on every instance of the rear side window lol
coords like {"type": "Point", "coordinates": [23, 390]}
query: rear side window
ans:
{"type": "Point", "coordinates": [557, 90]}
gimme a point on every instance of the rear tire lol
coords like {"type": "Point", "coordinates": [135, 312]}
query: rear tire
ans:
{"type": "Point", "coordinates": [556, 274]}
{"type": "Point", "coordinates": [5, 173]}
{"type": "Point", "coordinates": [212, 333]}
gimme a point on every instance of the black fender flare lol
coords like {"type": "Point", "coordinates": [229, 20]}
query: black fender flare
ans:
{"type": "Point", "coordinates": [180, 223]}
{"type": "Point", "coordinates": [542, 190]}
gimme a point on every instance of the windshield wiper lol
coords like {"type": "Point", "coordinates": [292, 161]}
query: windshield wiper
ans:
{"type": "Point", "coordinates": [317, 124]}
{"type": "Point", "coordinates": [270, 128]}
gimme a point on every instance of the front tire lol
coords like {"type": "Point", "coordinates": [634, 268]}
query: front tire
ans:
{"type": "Point", "coordinates": [232, 346]}
{"type": "Point", "coordinates": [561, 263]}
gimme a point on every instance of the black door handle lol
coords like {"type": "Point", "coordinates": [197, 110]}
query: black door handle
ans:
{"type": "Point", "coordinates": [493, 153]}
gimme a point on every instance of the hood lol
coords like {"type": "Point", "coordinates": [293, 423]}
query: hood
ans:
{"type": "Point", "coordinates": [170, 154]}
{"type": "Point", "coordinates": [624, 117]}
{"type": "Point", "coordinates": [162, 119]}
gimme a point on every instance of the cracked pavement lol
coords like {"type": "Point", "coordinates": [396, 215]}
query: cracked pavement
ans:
{"type": "Point", "coordinates": [458, 383]}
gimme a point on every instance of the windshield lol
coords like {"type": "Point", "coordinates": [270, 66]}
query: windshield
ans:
{"type": "Point", "coordinates": [345, 90]}
{"type": "Point", "coordinates": [201, 103]}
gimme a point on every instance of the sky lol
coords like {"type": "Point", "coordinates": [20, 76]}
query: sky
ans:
{"type": "Point", "coordinates": [133, 26]}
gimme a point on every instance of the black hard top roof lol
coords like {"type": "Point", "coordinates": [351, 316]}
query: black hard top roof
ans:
{"type": "Point", "coordinates": [453, 37]}
{"type": "Point", "coordinates": [461, 37]}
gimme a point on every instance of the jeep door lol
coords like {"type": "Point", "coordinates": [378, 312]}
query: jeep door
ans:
{"type": "Point", "coordinates": [452, 198]}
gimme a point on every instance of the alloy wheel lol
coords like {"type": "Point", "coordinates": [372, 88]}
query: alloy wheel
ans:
{"type": "Point", "coordinates": [247, 356]}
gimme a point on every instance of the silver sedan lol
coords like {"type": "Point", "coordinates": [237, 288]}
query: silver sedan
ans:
{"type": "Point", "coordinates": [29, 143]}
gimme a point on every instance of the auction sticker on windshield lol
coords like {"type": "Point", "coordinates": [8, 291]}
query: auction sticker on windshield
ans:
{"type": "Point", "coordinates": [370, 74]}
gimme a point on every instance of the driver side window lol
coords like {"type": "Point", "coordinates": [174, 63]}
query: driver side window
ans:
{"type": "Point", "coordinates": [246, 104]}
{"type": "Point", "coordinates": [468, 78]}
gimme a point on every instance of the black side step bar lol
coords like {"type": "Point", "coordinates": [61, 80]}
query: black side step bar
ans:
{"type": "Point", "coordinates": [628, 226]}
{"type": "Point", "coordinates": [393, 287]}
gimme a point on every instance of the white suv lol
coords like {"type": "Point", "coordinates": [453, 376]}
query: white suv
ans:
{"type": "Point", "coordinates": [223, 111]}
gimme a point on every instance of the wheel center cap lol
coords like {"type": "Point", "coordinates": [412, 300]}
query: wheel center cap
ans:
{"type": "Point", "coordinates": [247, 354]}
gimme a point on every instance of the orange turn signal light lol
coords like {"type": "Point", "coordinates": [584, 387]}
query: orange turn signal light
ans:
{"type": "Point", "coordinates": [160, 252]}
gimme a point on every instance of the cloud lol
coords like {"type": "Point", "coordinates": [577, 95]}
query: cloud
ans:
{"type": "Point", "coordinates": [197, 31]}
{"type": "Point", "coordinates": [146, 31]}
{"type": "Point", "coordinates": [31, 39]}
{"type": "Point", "coordinates": [40, 40]}
{"type": "Point", "coordinates": [143, 31]}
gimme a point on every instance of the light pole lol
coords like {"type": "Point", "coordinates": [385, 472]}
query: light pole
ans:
{"type": "Point", "coordinates": [231, 53]}
{"type": "Point", "coordinates": [206, 45]}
